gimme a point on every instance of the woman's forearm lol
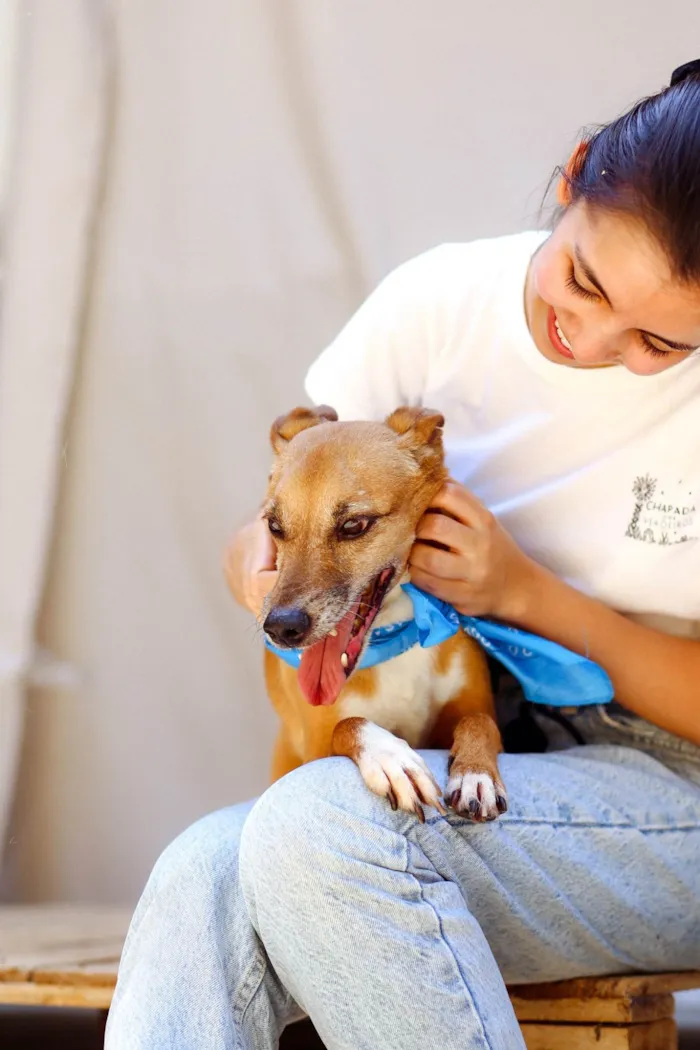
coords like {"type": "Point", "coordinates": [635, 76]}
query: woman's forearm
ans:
{"type": "Point", "coordinates": [654, 674]}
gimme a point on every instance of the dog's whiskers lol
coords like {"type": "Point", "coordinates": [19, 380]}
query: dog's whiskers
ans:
{"type": "Point", "coordinates": [255, 629]}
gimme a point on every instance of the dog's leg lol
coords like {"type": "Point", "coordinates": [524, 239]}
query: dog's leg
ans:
{"type": "Point", "coordinates": [466, 725]}
{"type": "Point", "coordinates": [284, 757]}
{"type": "Point", "coordinates": [475, 789]}
{"type": "Point", "coordinates": [389, 767]}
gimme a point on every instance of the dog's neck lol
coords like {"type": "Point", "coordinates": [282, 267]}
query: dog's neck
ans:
{"type": "Point", "coordinates": [397, 607]}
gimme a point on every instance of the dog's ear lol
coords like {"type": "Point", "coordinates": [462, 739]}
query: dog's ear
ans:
{"type": "Point", "coordinates": [419, 430]}
{"type": "Point", "coordinates": [286, 427]}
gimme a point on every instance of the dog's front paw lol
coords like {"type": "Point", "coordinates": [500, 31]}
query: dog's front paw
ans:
{"type": "Point", "coordinates": [477, 796]}
{"type": "Point", "coordinates": [392, 769]}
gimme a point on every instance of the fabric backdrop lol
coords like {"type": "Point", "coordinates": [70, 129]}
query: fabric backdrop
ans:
{"type": "Point", "coordinates": [201, 191]}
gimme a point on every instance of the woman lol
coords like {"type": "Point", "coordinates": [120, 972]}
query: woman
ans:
{"type": "Point", "coordinates": [564, 365]}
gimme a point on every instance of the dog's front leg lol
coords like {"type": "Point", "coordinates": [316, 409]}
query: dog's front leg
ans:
{"type": "Point", "coordinates": [284, 757]}
{"type": "Point", "coordinates": [475, 789]}
{"type": "Point", "coordinates": [389, 767]}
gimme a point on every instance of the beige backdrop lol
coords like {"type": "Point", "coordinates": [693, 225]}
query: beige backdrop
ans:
{"type": "Point", "coordinates": [263, 165]}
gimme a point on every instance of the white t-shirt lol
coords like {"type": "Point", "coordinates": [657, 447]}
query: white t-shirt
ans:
{"type": "Point", "coordinates": [595, 473]}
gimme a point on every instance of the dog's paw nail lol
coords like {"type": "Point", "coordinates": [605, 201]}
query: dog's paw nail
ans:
{"type": "Point", "coordinates": [437, 804]}
{"type": "Point", "coordinates": [475, 796]}
{"type": "Point", "coordinates": [392, 769]}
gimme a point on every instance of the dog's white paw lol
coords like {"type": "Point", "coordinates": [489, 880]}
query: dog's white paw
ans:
{"type": "Point", "coordinates": [392, 769]}
{"type": "Point", "coordinates": [476, 796]}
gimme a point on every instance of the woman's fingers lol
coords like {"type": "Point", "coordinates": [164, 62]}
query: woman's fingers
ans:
{"type": "Point", "coordinates": [260, 586]}
{"type": "Point", "coordinates": [438, 528]}
{"type": "Point", "coordinates": [446, 540]}
{"type": "Point", "coordinates": [265, 553]}
{"type": "Point", "coordinates": [464, 557]}
{"type": "Point", "coordinates": [461, 504]}
{"type": "Point", "coordinates": [249, 565]}
{"type": "Point", "coordinates": [445, 564]}
{"type": "Point", "coordinates": [454, 592]}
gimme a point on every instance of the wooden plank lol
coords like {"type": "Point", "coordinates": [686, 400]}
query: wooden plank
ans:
{"type": "Point", "coordinates": [37, 931]}
{"type": "Point", "coordinates": [66, 960]}
{"type": "Point", "coordinates": [27, 993]}
{"type": "Point", "coordinates": [659, 1035]}
{"type": "Point", "coordinates": [63, 954]}
{"type": "Point", "coordinates": [96, 975]}
{"type": "Point", "coordinates": [637, 1010]}
{"type": "Point", "coordinates": [616, 987]}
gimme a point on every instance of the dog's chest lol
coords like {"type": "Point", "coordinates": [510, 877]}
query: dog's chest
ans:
{"type": "Point", "coordinates": [408, 692]}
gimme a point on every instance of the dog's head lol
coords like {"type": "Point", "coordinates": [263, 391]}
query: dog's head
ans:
{"type": "Point", "coordinates": [343, 504]}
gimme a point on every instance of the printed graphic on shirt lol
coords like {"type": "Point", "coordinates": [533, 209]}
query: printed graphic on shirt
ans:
{"type": "Point", "coordinates": [663, 516]}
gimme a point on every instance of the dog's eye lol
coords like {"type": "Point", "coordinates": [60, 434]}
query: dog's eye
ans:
{"type": "Point", "coordinates": [354, 527]}
{"type": "Point", "coordinates": [275, 528]}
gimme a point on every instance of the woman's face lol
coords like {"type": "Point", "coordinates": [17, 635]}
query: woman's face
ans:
{"type": "Point", "coordinates": [600, 292]}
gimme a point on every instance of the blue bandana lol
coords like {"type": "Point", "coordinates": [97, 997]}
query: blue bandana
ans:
{"type": "Point", "coordinates": [548, 673]}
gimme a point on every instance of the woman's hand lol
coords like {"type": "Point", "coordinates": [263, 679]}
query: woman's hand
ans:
{"type": "Point", "coordinates": [482, 572]}
{"type": "Point", "coordinates": [249, 565]}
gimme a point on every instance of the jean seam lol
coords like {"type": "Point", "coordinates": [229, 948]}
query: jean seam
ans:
{"type": "Point", "coordinates": [485, 1040]}
{"type": "Point", "coordinates": [253, 981]}
{"type": "Point", "coordinates": [510, 822]}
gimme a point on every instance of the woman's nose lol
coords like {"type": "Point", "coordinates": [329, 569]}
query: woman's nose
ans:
{"type": "Point", "coordinates": [595, 348]}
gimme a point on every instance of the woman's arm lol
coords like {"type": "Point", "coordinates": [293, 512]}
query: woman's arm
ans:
{"type": "Point", "coordinates": [484, 573]}
{"type": "Point", "coordinates": [654, 674]}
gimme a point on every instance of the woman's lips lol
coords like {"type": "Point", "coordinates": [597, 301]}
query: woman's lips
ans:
{"type": "Point", "coordinates": [557, 337]}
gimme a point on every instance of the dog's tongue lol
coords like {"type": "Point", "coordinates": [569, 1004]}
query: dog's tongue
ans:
{"type": "Point", "coordinates": [321, 674]}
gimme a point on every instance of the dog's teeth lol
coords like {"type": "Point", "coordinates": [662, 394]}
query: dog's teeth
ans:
{"type": "Point", "coordinates": [344, 659]}
{"type": "Point", "coordinates": [333, 633]}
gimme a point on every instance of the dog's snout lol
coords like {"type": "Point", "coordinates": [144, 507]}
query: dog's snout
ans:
{"type": "Point", "coordinates": [287, 626]}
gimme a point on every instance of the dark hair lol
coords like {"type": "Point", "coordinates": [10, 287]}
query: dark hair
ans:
{"type": "Point", "coordinates": [647, 163]}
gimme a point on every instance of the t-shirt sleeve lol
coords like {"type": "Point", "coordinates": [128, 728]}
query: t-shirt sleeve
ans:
{"type": "Point", "coordinates": [382, 357]}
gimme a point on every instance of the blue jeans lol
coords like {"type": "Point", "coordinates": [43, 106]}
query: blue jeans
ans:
{"type": "Point", "coordinates": [319, 899]}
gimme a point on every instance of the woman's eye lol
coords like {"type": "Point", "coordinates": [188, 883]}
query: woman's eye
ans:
{"type": "Point", "coordinates": [354, 527]}
{"type": "Point", "coordinates": [578, 289]}
{"type": "Point", "coordinates": [650, 348]}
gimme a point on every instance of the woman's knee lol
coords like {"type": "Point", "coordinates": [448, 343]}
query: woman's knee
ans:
{"type": "Point", "coordinates": [315, 823]}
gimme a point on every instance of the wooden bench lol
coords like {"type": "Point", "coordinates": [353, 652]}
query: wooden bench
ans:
{"type": "Point", "coordinates": [68, 956]}
{"type": "Point", "coordinates": [60, 955]}
{"type": "Point", "coordinates": [634, 1012]}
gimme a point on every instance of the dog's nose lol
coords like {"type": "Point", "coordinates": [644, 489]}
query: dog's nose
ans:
{"type": "Point", "coordinates": [287, 626]}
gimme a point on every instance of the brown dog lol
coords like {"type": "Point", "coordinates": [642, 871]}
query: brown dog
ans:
{"type": "Point", "coordinates": [343, 504]}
